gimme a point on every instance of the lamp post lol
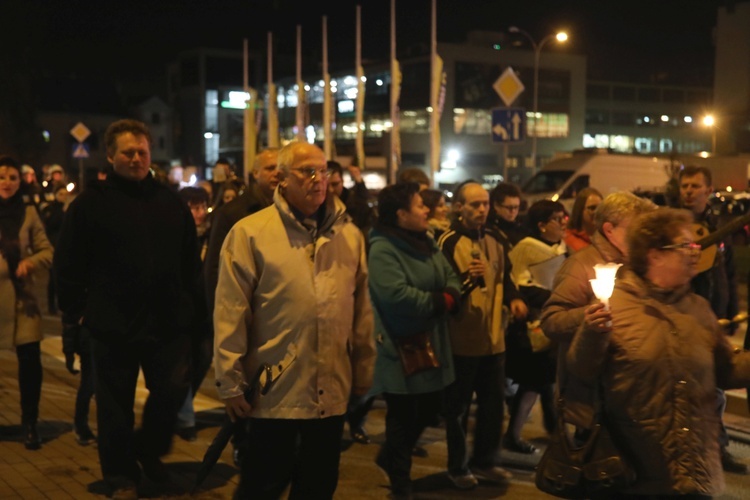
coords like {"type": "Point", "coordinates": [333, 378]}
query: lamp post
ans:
{"type": "Point", "coordinates": [560, 37]}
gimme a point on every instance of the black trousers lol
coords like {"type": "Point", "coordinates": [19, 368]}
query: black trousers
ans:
{"type": "Point", "coordinates": [165, 366]}
{"type": "Point", "coordinates": [303, 452]}
{"type": "Point", "coordinates": [85, 391]}
{"type": "Point", "coordinates": [29, 380]}
{"type": "Point", "coordinates": [407, 417]}
{"type": "Point", "coordinates": [484, 375]}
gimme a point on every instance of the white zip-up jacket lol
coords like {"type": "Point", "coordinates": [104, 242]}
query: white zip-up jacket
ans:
{"type": "Point", "coordinates": [299, 304]}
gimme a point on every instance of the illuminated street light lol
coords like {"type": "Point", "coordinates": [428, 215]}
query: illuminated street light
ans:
{"type": "Point", "coordinates": [710, 122]}
{"type": "Point", "coordinates": [561, 37]}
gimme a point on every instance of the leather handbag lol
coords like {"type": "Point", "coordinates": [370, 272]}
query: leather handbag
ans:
{"type": "Point", "coordinates": [416, 353]}
{"type": "Point", "coordinates": [596, 467]}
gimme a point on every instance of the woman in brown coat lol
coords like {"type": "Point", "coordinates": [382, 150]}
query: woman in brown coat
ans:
{"type": "Point", "coordinates": [23, 248]}
{"type": "Point", "coordinates": [659, 362]}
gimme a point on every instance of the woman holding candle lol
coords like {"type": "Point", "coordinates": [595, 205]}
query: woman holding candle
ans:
{"type": "Point", "coordinates": [659, 362]}
{"type": "Point", "coordinates": [535, 260]}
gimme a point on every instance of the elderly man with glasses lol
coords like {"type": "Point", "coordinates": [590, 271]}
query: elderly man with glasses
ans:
{"type": "Point", "coordinates": [292, 303]}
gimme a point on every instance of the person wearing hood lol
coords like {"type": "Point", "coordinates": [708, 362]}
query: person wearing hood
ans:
{"type": "Point", "coordinates": [292, 304]}
{"type": "Point", "coordinates": [24, 248]}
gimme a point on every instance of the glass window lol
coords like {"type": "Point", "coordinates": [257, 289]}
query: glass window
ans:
{"type": "Point", "coordinates": [649, 94]}
{"type": "Point", "coordinates": [620, 93]}
{"type": "Point", "coordinates": [549, 125]}
{"type": "Point", "coordinates": [698, 97]}
{"type": "Point", "coordinates": [547, 181]}
{"type": "Point", "coordinates": [623, 118]}
{"type": "Point", "coordinates": [597, 91]}
{"type": "Point", "coordinates": [415, 121]}
{"type": "Point", "coordinates": [472, 121]}
{"type": "Point", "coordinates": [596, 117]}
{"type": "Point", "coordinates": [673, 95]}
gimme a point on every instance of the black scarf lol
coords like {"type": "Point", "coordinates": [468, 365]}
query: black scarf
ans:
{"type": "Point", "coordinates": [12, 215]}
{"type": "Point", "coordinates": [419, 240]}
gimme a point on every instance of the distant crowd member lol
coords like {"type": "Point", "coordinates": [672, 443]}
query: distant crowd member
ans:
{"type": "Point", "coordinates": [505, 201]}
{"type": "Point", "coordinates": [257, 196]}
{"type": "Point", "coordinates": [52, 217]}
{"type": "Point", "coordinates": [416, 175]}
{"type": "Point", "coordinates": [127, 269]}
{"type": "Point", "coordinates": [564, 311]}
{"type": "Point", "coordinates": [292, 296]}
{"type": "Point", "coordinates": [413, 289]}
{"type": "Point", "coordinates": [356, 199]}
{"type": "Point", "coordinates": [658, 354]}
{"type": "Point", "coordinates": [717, 283]}
{"type": "Point", "coordinates": [534, 371]}
{"type": "Point", "coordinates": [202, 340]}
{"type": "Point", "coordinates": [55, 176]}
{"type": "Point", "coordinates": [477, 340]}
{"type": "Point", "coordinates": [23, 248]}
{"type": "Point", "coordinates": [30, 186]}
{"type": "Point", "coordinates": [437, 218]}
{"type": "Point", "coordinates": [581, 225]}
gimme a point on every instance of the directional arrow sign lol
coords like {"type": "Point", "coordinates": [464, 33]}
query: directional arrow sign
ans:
{"type": "Point", "coordinates": [508, 125]}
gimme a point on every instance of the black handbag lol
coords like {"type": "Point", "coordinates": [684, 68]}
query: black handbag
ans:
{"type": "Point", "coordinates": [594, 468]}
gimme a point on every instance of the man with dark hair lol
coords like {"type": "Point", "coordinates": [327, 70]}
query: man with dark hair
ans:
{"type": "Point", "coordinates": [292, 304]}
{"type": "Point", "coordinates": [127, 270]}
{"type": "Point", "coordinates": [355, 199]}
{"type": "Point", "coordinates": [716, 284]}
{"type": "Point", "coordinates": [477, 339]}
{"type": "Point", "coordinates": [505, 203]}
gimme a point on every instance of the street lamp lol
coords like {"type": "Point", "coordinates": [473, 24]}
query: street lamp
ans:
{"type": "Point", "coordinates": [710, 122]}
{"type": "Point", "coordinates": [561, 37]}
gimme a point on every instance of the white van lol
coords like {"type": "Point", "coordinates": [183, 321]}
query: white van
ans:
{"type": "Point", "coordinates": [561, 179]}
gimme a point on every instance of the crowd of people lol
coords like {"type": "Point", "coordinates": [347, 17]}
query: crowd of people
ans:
{"type": "Point", "coordinates": [311, 299]}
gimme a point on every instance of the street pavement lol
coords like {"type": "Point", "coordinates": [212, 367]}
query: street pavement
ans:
{"type": "Point", "coordinates": [62, 469]}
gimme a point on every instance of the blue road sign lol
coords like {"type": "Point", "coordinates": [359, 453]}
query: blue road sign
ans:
{"type": "Point", "coordinates": [508, 125]}
{"type": "Point", "coordinates": [81, 150]}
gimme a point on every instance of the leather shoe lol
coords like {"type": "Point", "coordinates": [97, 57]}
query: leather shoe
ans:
{"type": "Point", "coordinates": [359, 435]}
{"type": "Point", "coordinates": [84, 436]}
{"type": "Point", "coordinates": [189, 434]}
{"type": "Point", "coordinates": [519, 446]}
{"type": "Point", "coordinates": [129, 492]}
{"type": "Point", "coordinates": [154, 468]}
{"type": "Point", "coordinates": [32, 441]}
{"type": "Point", "coordinates": [730, 463]}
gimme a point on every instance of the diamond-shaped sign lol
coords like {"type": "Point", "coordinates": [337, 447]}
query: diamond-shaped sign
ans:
{"type": "Point", "coordinates": [508, 86]}
{"type": "Point", "coordinates": [80, 132]}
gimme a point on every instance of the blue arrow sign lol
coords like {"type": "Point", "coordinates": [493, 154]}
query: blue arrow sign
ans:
{"type": "Point", "coordinates": [508, 125]}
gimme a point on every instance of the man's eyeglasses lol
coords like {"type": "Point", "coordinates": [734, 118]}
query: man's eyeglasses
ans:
{"type": "Point", "coordinates": [690, 246]}
{"type": "Point", "coordinates": [312, 172]}
{"type": "Point", "coordinates": [511, 208]}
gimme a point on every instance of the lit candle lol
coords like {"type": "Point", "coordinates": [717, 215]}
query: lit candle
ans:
{"type": "Point", "coordinates": [604, 283]}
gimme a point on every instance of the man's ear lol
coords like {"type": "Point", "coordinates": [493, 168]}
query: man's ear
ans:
{"type": "Point", "coordinates": [607, 228]}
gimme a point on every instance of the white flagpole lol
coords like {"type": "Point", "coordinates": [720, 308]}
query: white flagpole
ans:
{"type": "Point", "coordinates": [327, 138]}
{"type": "Point", "coordinates": [434, 91]}
{"type": "Point", "coordinates": [249, 128]}
{"type": "Point", "coordinates": [360, 139]}
{"type": "Point", "coordinates": [395, 162]}
{"type": "Point", "coordinates": [300, 113]}
{"type": "Point", "coordinates": [273, 115]}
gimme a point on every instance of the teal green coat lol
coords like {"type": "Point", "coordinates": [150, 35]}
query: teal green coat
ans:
{"type": "Point", "coordinates": [404, 289]}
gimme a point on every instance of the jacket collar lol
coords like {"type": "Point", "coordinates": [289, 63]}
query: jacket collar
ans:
{"type": "Point", "coordinates": [334, 211]}
{"type": "Point", "coordinates": [607, 249]}
{"type": "Point", "coordinates": [473, 234]}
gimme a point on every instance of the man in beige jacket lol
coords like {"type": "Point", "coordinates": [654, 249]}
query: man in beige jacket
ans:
{"type": "Point", "coordinates": [292, 306]}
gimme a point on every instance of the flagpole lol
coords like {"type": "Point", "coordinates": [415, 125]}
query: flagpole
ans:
{"type": "Point", "coordinates": [300, 112]}
{"type": "Point", "coordinates": [395, 84]}
{"type": "Point", "coordinates": [273, 116]}
{"type": "Point", "coordinates": [359, 140]}
{"type": "Point", "coordinates": [249, 129]}
{"type": "Point", "coordinates": [434, 90]}
{"type": "Point", "coordinates": [327, 138]}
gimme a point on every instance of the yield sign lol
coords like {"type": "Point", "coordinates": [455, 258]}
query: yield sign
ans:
{"type": "Point", "coordinates": [508, 86]}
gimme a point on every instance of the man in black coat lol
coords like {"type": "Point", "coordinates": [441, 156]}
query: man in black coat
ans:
{"type": "Point", "coordinates": [127, 270]}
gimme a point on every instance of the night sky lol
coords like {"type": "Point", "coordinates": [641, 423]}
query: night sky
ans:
{"type": "Point", "coordinates": [133, 40]}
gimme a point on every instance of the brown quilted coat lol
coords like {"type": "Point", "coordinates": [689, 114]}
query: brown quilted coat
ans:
{"type": "Point", "coordinates": [659, 368]}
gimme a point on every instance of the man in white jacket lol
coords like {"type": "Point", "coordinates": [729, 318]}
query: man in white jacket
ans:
{"type": "Point", "coordinates": [292, 306]}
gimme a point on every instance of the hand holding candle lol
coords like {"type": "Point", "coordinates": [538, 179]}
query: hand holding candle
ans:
{"type": "Point", "coordinates": [604, 283]}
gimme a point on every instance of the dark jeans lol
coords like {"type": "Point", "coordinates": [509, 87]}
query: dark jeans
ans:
{"type": "Point", "coordinates": [303, 452]}
{"type": "Point", "coordinates": [484, 375]}
{"type": "Point", "coordinates": [405, 420]}
{"type": "Point", "coordinates": [85, 391]}
{"type": "Point", "coordinates": [165, 368]}
{"type": "Point", "coordinates": [29, 380]}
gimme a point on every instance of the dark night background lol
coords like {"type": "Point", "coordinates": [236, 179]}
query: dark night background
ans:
{"type": "Point", "coordinates": [134, 40]}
